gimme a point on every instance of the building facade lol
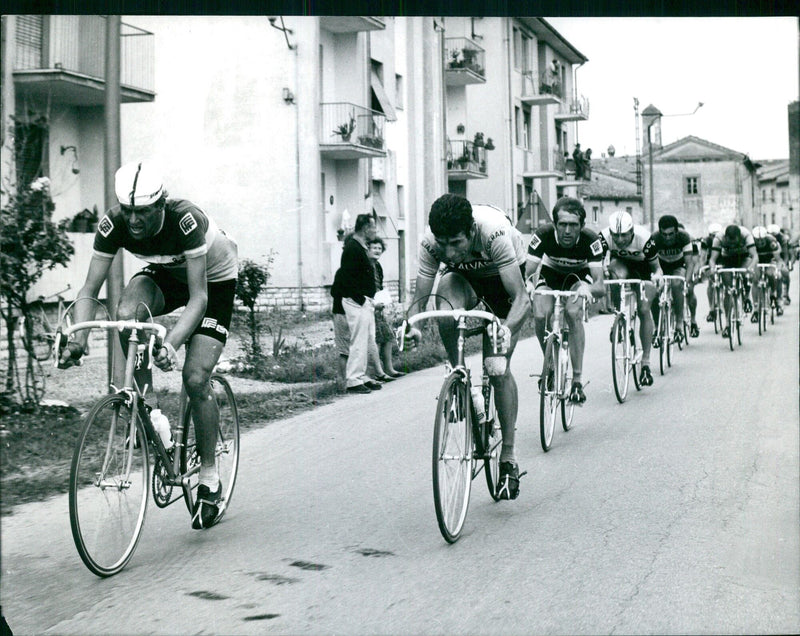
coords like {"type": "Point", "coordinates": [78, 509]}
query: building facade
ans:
{"type": "Point", "coordinates": [284, 129]}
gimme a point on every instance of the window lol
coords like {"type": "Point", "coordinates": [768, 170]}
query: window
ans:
{"type": "Point", "coordinates": [380, 101]}
{"type": "Point", "coordinates": [763, 195]}
{"type": "Point", "coordinates": [517, 48]}
{"type": "Point", "coordinates": [772, 194]}
{"type": "Point", "coordinates": [527, 141]}
{"type": "Point", "coordinates": [525, 64]}
{"type": "Point", "coordinates": [401, 202]}
{"type": "Point", "coordinates": [398, 91]}
{"type": "Point", "coordinates": [517, 125]}
{"type": "Point", "coordinates": [692, 186]}
{"type": "Point", "coordinates": [783, 197]}
{"type": "Point", "coordinates": [595, 213]}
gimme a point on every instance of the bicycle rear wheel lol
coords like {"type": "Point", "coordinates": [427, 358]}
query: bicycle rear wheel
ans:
{"type": "Point", "coordinates": [762, 312]}
{"type": "Point", "coordinates": [662, 331]}
{"type": "Point", "coordinates": [108, 486]}
{"type": "Point", "coordinates": [36, 336]}
{"type": "Point", "coordinates": [227, 449]}
{"type": "Point", "coordinates": [731, 322]}
{"type": "Point", "coordinates": [668, 337]}
{"type": "Point", "coordinates": [738, 321]}
{"type": "Point", "coordinates": [452, 457]}
{"type": "Point", "coordinates": [620, 362]}
{"type": "Point", "coordinates": [567, 407]}
{"type": "Point", "coordinates": [493, 443]}
{"type": "Point", "coordinates": [549, 390]}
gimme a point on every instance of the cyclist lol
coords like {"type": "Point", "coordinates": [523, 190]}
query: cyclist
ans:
{"type": "Point", "coordinates": [191, 263]}
{"type": "Point", "coordinates": [783, 240]}
{"type": "Point", "coordinates": [691, 282]}
{"type": "Point", "coordinates": [632, 254]}
{"type": "Point", "coordinates": [734, 248]}
{"type": "Point", "coordinates": [769, 251]}
{"type": "Point", "coordinates": [484, 259]}
{"type": "Point", "coordinates": [705, 252]}
{"type": "Point", "coordinates": [675, 255]}
{"type": "Point", "coordinates": [566, 255]}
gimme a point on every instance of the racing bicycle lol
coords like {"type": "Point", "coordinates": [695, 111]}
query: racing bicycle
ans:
{"type": "Point", "coordinates": [735, 295]}
{"type": "Point", "coordinates": [111, 477]}
{"type": "Point", "coordinates": [667, 335]}
{"type": "Point", "coordinates": [766, 296]}
{"type": "Point", "coordinates": [626, 351]}
{"type": "Point", "coordinates": [463, 446]}
{"type": "Point", "coordinates": [555, 381]}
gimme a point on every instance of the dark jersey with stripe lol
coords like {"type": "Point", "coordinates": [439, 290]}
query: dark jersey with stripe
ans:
{"type": "Point", "coordinates": [187, 232]}
{"type": "Point", "coordinates": [674, 253]}
{"type": "Point", "coordinates": [589, 248]}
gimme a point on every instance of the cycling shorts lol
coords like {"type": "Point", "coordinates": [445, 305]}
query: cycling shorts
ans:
{"type": "Point", "coordinates": [217, 319]}
{"type": "Point", "coordinates": [735, 260]}
{"type": "Point", "coordinates": [630, 269]}
{"type": "Point", "coordinates": [553, 279]}
{"type": "Point", "coordinates": [674, 269]}
{"type": "Point", "coordinates": [490, 290]}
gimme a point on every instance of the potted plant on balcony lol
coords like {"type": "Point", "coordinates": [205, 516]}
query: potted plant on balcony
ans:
{"type": "Point", "coordinates": [345, 130]}
{"type": "Point", "coordinates": [489, 144]}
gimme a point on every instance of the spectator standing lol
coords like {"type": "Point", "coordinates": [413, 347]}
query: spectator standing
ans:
{"type": "Point", "coordinates": [384, 335]}
{"type": "Point", "coordinates": [587, 164]}
{"type": "Point", "coordinates": [357, 288]}
{"type": "Point", "coordinates": [341, 332]}
{"type": "Point", "coordinates": [577, 157]}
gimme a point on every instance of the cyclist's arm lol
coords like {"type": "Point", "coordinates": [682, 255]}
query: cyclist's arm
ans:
{"type": "Point", "coordinates": [95, 277]}
{"type": "Point", "coordinates": [533, 265]}
{"type": "Point", "coordinates": [196, 306]}
{"type": "Point", "coordinates": [752, 258]}
{"type": "Point", "coordinates": [422, 292]}
{"type": "Point", "coordinates": [596, 270]}
{"type": "Point", "coordinates": [511, 278]}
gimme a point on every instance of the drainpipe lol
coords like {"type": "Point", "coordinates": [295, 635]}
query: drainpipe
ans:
{"type": "Point", "coordinates": [510, 120]}
{"type": "Point", "coordinates": [299, 196]}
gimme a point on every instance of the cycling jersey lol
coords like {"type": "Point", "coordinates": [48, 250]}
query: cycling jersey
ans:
{"type": "Point", "coordinates": [642, 248]}
{"type": "Point", "coordinates": [707, 241]}
{"type": "Point", "coordinates": [187, 232]}
{"type": "Point", "coordinates": [589, 248]}
{"type": "Point", "coordinates": [733, 250]}
{"type": "Point", "coordinates": [495, 245]}
{"type": "Point", "coordinates": [676, 252]}
{"type": "Point", "coordinates": [767, 248]}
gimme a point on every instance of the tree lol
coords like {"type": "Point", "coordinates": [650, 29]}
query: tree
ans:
{"type": "Point", "coordinates": [30, 243]}
{"type": "Point", "coordinates": [253, 279]}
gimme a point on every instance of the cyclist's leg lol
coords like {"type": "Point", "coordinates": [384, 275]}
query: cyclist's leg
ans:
{"type": "Point", "coordinates": [676, 288]}
{"type": "Point", "coordinates": [616, 269]}
{"type": "Point", "coordinates": [144, 292]}
{"type": "Point", "coordinates": [785, 279]}
{"type": "Point", "coordinates": [712, 299]}
{"type": "Point", "coordinates": [543, 305]}
{"type": "Point", "coordinates": [577, 334]}
{"type": "Point", "coordinates": [646, 325]}
{"type": "Point", "coordinates": [453, 292]}
{"type": "Point", "coordinates": [506, 399]}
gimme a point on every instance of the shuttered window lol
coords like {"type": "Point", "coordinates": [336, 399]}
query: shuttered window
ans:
{"type": "Point", "coordinates": [29, 41]}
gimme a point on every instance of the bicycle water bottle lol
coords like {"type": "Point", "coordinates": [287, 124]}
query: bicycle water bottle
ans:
{"type": "Point", "coordinates": [161, 424]}
{"type": "Point", "coordinates": [477, 401]}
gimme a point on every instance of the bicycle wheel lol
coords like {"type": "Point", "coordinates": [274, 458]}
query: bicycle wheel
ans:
{"type": "Point", "coordinates": [668, 336]}
{"type": "Point", "coordinates": [620, 361]}
{"type": "Point", "coordinates": [567, 407]}
{"type": "Point", "coordinates": [738, 321]}
{"type": "Point", "coordinates": [34, 381]}
{"type": "Point", "coordinates": [227, 449]}
{"type": "Point", "coordinates": [762, 313]}
{"type": "Point", "coordinates": [662, 333]}
{"type": "Point", "coordinates": [493, 442]}
{"type": "Point", "coordinates": [549, 390]}
{"type": "Point", "coordinates": [36, 336]}
{"type": "Point", "coordinates": [772, 303]}
{"type": "Point", "coordinates": [108, 486]}
{"type": "Point", "coordinates": [452, 457]}
{"type": "Point", "coordinates": [731, 322]}
{"type": "Point", "coordinates": [718, 323]}
{"type": "Point", "coordinates": [635, 356]}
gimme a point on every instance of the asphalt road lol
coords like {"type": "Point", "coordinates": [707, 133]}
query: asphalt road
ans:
{"type": "Point", "coordinates": [676, 512]}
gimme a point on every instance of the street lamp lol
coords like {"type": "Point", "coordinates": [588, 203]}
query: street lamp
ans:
{"type": "Point", "coordinates": [657, 115]}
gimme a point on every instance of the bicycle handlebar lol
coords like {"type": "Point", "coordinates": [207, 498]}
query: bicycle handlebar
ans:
{"type": "Point", "coordinates": [455, 314]}
{"type": "Point", "coordinates": [557, 293]}
{"type": "Point", "coordinates": [157, 333]}
{"type": "Point", "coordinates": [628, 281]}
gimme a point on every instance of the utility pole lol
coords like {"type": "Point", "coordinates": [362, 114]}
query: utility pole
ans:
{"type": "Point", "coordinates": [638, 148]}
{"type": "Point", "coordinates": [112, 158]}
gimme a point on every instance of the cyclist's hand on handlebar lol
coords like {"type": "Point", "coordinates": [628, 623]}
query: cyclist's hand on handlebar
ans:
{"type": "Point", "coordinates": [657, 279]}
{"type": "Point", "coordinates": [165, 358]}
{"type": "Point", "coordinates": [583, 291]}
{"type": "Point", "coordinates": [70, 355]}
{"type": "Point", "coordinates": [408, 335]}
{"type": "Point", "coordinates": [503, 338]}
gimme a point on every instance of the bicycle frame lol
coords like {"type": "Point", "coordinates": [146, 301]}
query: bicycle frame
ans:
{"type": "Point", "coordinates": [627, 315]}
{"type": "Point", "coordinates": [135, 394]}
{"type": "Point", "coordinates": [735, 292]}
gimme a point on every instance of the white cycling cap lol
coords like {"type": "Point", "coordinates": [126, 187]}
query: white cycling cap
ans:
{"type": "Point", "coordinates": [138, 184]}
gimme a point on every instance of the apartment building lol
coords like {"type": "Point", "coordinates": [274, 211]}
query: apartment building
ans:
{"type": "Point", "coordinates": [285, 128]}
{"type": "Point", "coordinates": [777, 204]}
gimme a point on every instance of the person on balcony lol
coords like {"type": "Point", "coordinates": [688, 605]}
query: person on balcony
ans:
{"type": "Point", "coordinates": [577, 157]}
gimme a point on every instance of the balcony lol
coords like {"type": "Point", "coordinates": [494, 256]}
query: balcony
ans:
{"type": "Point", "coordinates": [62, 58]}
{"type": "Point", "coordinates": [537, 92]}
{"type": "Point", "coordinates": [574, 110]}
{"type": "Point", "coordinates": [351, 23]}
{"type": "Point", "coordinates": [351, 132]}
{"type": "Point", "coordinates": [465, 62]}
{"type": "Point", "coordinates": [465, 161]}
{"type": "Point", "coordinates": [553, 168]}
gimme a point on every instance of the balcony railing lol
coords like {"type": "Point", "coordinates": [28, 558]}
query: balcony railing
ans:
{"type": "Point", "coordinates": [552, 168]}
{"type": "Point", "coordinates": [531, 92]}
{"type": "Point", "coordinates": [352, 132]}
{"type": "Point", "coordinates": [574, 110]}
{"type": "Point", "coordinates": [71, 49]}
{"type": "Point", "coordinates": [464, 62]}
{"type": "Point", "coordinates": [465, 160]}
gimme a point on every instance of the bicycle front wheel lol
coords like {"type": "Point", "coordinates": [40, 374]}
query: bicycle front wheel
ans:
{"type": "Point", "coordinates": [762, 313]}
{"type": "Point", "coordinates": [662, 331]}
{"type": "Point", "coordinates": [668, 336]}
{"type": "Point", "coordinates": [620, 361]}
{"type": "Point", "coordinates": [492, 447]}
{"type": "Point", "coordinates": [452, 457]}
{"type": "Point", "coordinates": [226, 451]}
{"type": "Point", "coordinates": [549, 390]}
{"type": "Point", "coordinates": [567, 407]}
{"type": "Point", "coordinates": [108, 486]}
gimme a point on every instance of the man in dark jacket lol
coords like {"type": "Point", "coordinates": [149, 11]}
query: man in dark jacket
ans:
{"type": "Point", "coordinates": [356, 285]}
